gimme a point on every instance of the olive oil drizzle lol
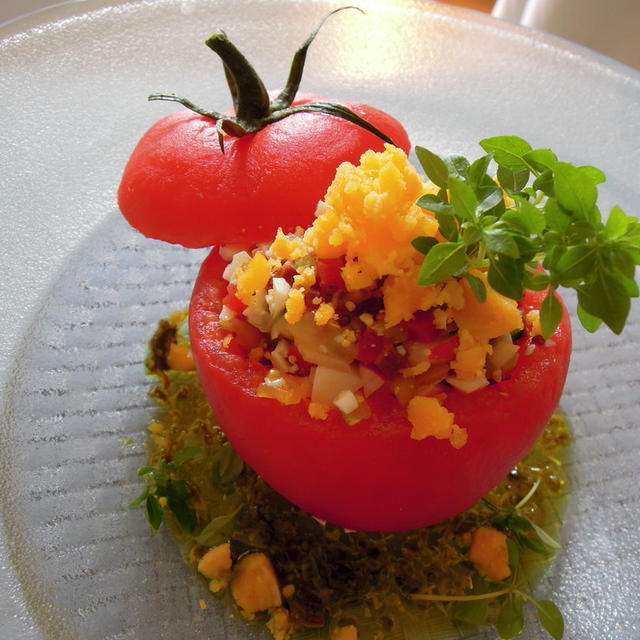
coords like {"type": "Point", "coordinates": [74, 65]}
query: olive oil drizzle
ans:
{"type": "Point", "coordinates": [378, 581]}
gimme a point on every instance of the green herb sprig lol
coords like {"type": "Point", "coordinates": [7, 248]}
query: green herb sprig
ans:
{"type": "Point", "coordinates": [522, 533]}
{"type": "Point", "coordinates": [161, 482]}
{"type": "Point", "coordinates": [548, 234]}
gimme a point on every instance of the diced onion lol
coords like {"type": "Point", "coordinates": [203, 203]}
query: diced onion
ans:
{"type": "Point", "coordinates": [277, 296]}
{"type": "Point", "coordinates": [469, 386]}
{"type": "Point", "coordinates": [328, 383]}
{"type": "Point", "coordinates": [239, 260]}
{"type": "Point", "coordinates": [346, 401]}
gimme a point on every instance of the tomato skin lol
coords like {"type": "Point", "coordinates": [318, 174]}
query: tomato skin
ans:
{"type": "Point", "coordinates": [372, 475]}
{"type": "Point", "coordinates": [178, 186]}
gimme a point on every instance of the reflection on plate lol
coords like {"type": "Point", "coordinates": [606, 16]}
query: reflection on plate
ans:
{"type": "Point", "coordinates": [72, 428]}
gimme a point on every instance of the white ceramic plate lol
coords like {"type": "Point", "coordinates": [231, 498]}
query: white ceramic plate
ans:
{"type": "Point", "coordinates": [80, 291]}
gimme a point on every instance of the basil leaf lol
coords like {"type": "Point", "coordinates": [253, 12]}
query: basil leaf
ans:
{"type": "Point", "coordinates": [605, 297]}
{"type": "Point", "coordinates": [550, 618]}
{"type": "Point", "coordinates": [544, 182]}
{"type": "Point", "coordinates": [145, 470]}
{"type": "Point", "coordinates": [617, 223]}
{"type": "Point", "coordinates": [576, 262]}
{"type": "Point", "coordinates": [477, 171]}
{"type": "Point", "coordinates": [555, 217]}
{"type": "Point", "coordinates": [472, 613]}
{"type": "Point", "coordinates": [505, 276]}
{"type": "Point", "coordinates": [489, 198]}
{"type": "Point", "coordinates": [423, 244]}
{"type": "Point", "coordinates": [510, 620]}
{"type": "Point", "coordinates": [227, 465]}
{"type": "Point", "coordinates": [512, 181]}
{"type": "Point", "coordinates": [217, 531]}
{"type": "Point", "coordinates": [545, 538]}
{"type": "Point", "coordinates": [513, 551]}
{"type": "Point", "coordinates": [550, 314]}
{"type": "Point", "coordinates": [594, 174]}
{"type": "Point", "coordinates": [441, 262]}
{"type": "Point", "coordinates": [540, 159]}
{"type": "Point", "coordinates": [457, 166]}
{"type": "Point", "coordinates": [434, 204]}
{"type": "Point", "coordinates": [140, 499]}
{"type": "Point", "coordinates": [433, 166]}
{"type": "Point", "coordinates": [178, 497]}
{"type": "Point", "coordinates": [154, 512]}
{"type": "Point", "coordinates": [537, 282]}
{"type": "Point", "coordinates": [500, 241]}
{"type": "Point", "coordinates": [447, 226]}
{"type": "Point", "coordinates": [530, 218]}
{"type": "Point", "coordinates": [477, 286]}
{"type": "Point", "coordinates": [463, 199]}
{"type": "Point", "coordinates": [186, 454]}
{"type": "Point", "coordinates": [508, 151]}
{"type": "Point", "coordinates": [589, 322]}
{"type": "Point", "coordinates": [575, 190]}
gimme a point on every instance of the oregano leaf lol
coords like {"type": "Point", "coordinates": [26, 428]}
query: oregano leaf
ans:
{"type": "Point", "coordinates": [477, 286]}
{"type": "Point", "coordinates": [463, 199]}
{"type": "Point", "coordinates": [575, 190]}
{"type": "Point", "coordinates": [510, 620]}
{"type": "Point", "coordinates": [499, 240]}
{"type": "Point", "coordinates": [505, 276]}
{"type": "Point", "coordinates": [540, 159]}
{"type": "Point", "coordinates": [154, 511]}
{"type": "Point", "coordinates": [604, 296]}
{"type": "Point", "coordinates": [435, 204]}
{"type": "Point", "coordinates": [508, 151]}
{"type": "Point", "coordinates": [472, 613]}
{"type": "Point", "coordinates": [178, 496]}
{"type": "Point", "coordinates": [433, 166]}
{"type": "Point", "coordinates": [186, 454]}
{"type": "Point", "coordinates": [512, 181]}
{"type": "Point", "coordinates": [550, 618]}
{"type": "Point", "coordinates": [441, 262]}
{"type": "Point", "coordinates": [423, 244]}
{"type": "Point", "coordinates": [545, 538]}
{"type": "Point", "coordinates": [589, 322]}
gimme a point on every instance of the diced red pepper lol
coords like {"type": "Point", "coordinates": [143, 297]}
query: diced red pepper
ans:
{"type": "Point", "coordinates": [444, 349]}
{"type": "Point", "coordinates": [421, 327]}
{"type": "Point", "coordinates": [371, 346]}
{"type": "Point", "coordinates": [231, 301]}
{"type": "Point", "coordinates": [329, 273]}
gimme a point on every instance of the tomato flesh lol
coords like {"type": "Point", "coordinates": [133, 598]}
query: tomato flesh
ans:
{"type": "Point", "coordinates": [372, 475]}
{"type": "Point", "coordinates": [179, 186]}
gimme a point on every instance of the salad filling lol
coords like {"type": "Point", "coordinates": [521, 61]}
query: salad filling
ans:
{"type": "Point", "coordinates": [335, 311]}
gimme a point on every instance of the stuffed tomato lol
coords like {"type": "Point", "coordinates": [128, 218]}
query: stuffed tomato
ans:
{"type": "Point", "coordinates": [362, 397]}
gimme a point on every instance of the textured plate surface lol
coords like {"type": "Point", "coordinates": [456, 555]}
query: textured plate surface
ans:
{"type": "Point", "coordinates": [80, 291]}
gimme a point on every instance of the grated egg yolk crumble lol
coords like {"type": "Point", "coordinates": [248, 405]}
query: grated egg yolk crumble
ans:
{"type": "Point", "coordinates": [336, 312]}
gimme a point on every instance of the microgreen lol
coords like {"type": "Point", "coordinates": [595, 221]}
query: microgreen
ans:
{"type": "Point", "coordinates": [162, 486]}
{"type": "Point", "coordinates": [522, 535]}
{"type": "Point", "coordinates": [227, 465]}
{"type": "Point", "coordinates": [535, 226]}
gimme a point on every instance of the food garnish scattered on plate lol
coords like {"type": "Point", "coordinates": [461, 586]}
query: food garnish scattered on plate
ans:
{"type": "Point", "coordinates": [358, 413]}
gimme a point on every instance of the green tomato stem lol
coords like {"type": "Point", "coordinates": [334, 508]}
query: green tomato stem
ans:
{"type": "Point", "coordinates": [253, 110]}
{"type": "Point", "coordinates": [445, 598]}
{"type": "Point", "coordinates": [250, 97]}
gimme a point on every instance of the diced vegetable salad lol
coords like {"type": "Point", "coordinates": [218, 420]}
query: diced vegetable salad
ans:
{"type": "Point", "coordinates": [336, 312]}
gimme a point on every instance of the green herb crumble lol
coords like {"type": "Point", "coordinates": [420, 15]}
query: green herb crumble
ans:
{"type": "Point", "coordinates": [335, 583]}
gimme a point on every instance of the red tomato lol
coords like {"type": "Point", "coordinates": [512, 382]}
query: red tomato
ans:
{"type": "Point", "coordinates": [179, 186]}
{"type": "Point", "coordinates": [372, 475]}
